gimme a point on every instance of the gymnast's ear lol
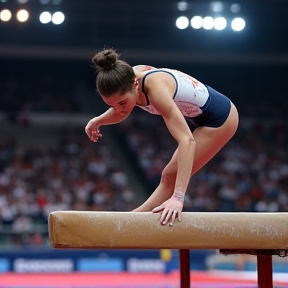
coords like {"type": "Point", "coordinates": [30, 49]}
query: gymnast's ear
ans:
{"type": "Point", "coordinates": [135, 83]}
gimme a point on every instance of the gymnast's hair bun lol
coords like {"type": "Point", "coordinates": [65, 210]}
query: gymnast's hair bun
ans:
{"type": "Point", "coordinates": [105, 59]}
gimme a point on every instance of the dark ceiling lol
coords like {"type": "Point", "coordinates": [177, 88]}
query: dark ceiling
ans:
{"type": "Point", "coordinates": [148, 25]}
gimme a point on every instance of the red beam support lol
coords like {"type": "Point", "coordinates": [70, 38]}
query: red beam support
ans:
{"type": "Point", "coordinates": [184, 268]}
{"type": "Point", "coordinates": [265, 271]}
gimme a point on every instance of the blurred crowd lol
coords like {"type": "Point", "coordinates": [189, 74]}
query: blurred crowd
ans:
{"type": "Point", "coordinates": [248, 174]}
{"type": "Point", "coordinates": [76, 175]}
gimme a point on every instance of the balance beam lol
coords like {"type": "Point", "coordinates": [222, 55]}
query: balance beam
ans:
{"type": "Point", "coordinates": [260, 234]}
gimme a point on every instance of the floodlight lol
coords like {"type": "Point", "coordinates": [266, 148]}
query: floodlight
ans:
{"type": "Point", "coordinates": [196, 22]}
{"type": "Point", "coordinates": [208, 23]}
{"type": "Point", "coordinates": [22, 15]}
{"type": "Point", "coordinates": [182, 5]}
{"type": "Point", "coordinates": [182, 22]}
{"type": "Point", "coordinates": [45, 17]}
{"type": "Point", "coordinates": [217, 6]}
{"type": "Point", "coordinates": [235, 8]}
{"type": "Point", "coordinates": [58, 18]}
{"type": "Point", "coordinates": [238, 24]}
{"type": "Point", "coordinates": [220, 23]}
{"type": "Point", "coordinates": [5, 15]}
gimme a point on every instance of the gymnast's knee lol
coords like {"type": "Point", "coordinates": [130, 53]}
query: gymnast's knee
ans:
{"type": "Point", "coordinates": [168, 179]}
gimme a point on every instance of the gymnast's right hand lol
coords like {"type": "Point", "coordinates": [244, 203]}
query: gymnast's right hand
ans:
{"type": "Point", "coordinates": [92, 129]}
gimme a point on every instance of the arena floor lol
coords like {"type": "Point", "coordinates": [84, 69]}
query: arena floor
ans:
{"type": "Point", "coordinates": [128, 280]}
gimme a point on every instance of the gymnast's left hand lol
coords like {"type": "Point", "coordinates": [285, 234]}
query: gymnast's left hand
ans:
{"type": "Point", "coordinates": [170, 210]}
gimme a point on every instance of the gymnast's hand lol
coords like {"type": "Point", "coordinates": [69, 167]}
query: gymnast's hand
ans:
{"type": "Point", "coordinates": [92, 129]}
{"type": "Point", "coordinates": [169, 210]}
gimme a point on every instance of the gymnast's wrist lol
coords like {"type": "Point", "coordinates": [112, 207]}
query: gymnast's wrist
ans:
{"type": "Point", "coordinates": [179, 195]}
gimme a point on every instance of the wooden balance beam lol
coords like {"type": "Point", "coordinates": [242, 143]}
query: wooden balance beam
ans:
{"type": "Point", "coordinates": [260, 234]}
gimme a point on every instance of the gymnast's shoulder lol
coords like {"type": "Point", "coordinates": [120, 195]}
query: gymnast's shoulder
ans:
{"type": "Point", "coordinates": [142, 68]}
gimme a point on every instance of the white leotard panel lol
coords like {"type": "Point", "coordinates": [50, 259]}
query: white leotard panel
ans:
{"type": "Point", "coordinates": [190, 94]}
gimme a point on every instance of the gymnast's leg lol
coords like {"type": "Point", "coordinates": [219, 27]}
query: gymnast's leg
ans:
{"type": "Point", "coordinates": [208, 142]}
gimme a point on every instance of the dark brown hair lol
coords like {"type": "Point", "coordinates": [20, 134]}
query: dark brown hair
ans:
{"type": "Point", "coordinates": [114, 75]}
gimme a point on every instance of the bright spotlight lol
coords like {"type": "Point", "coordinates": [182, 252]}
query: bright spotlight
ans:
{"type": "Point", "coordinates": [182, 22]}
{"type": "Point", "coordinates": [217, 6]}
{"type": "Point", "coordinates": [58, 18]}
{"type": "Point", "coordinates": [220, 23]}
{"type": "Point", "coordinates": [235, 8]}
{"type": "Point", "coordinates": [196, 22]}
{"type": "Point", "coordinates": [208, 23]}
{"type": "Point", "coordinates": [238, 24]}
{"type": "Point", "coordinates": [22, 1]}
{"type": "Point", "coordinates": [5, 15]}
{"type": "Point", "coordinates": [182, 5]}
{"type": "Point", "coordinates": [22, 15]}
{"type": "Point", "coordinates": [45, 17]}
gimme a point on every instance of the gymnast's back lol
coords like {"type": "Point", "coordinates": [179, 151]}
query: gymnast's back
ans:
{"type": "Point", "coordinates": [188, 89]}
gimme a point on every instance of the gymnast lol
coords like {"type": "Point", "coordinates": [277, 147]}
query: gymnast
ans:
{"type": "Point", "coordinates": [200, 119]}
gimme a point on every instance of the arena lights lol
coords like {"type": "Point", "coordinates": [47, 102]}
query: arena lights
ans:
{"type": "Point", "coordinates": [235, 8]}
{"type": "Point", "coordinates": [182, 22]}
{"type": "Point", "coordinates": [217, 14]}
{"type": "Point", "coordinates": [57, 18]}
{"type": "Point", "coordinates": [220, 23]}
{"type": "Point", "coordinates": [217, 6]}
{"type": "Point", "coordinates": [22, 15]}
{"type": "Point", "coordinates": [238, 24]}
{"type": "Point", "coordinates": [208, 23]}
{"type": "Point", "coordinates": [45, 17]}
{"type": "Point", "coordinates": [5, 15]}
{"type": "Point", "coordinates": [182, 5]}
{"type": "Point", "coordinates": [196, 22]}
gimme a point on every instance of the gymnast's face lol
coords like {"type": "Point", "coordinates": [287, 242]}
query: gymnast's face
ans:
{"type": "Point", "coordinates": [123, 103]}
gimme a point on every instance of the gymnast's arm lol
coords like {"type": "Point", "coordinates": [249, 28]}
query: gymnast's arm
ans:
{"type": "Point", "coordinates": [111, 116]}
{"type": "Point", "coordinates": [179, 129]}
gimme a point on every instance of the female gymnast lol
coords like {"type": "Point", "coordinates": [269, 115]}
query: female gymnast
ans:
{"type": "Point", "coordinates": [199, 118]}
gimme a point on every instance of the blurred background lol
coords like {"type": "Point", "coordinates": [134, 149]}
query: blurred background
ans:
{"type": "Point", "coordinates": [47, 96]}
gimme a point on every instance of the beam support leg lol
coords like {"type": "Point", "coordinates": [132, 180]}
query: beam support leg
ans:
{"type": "Point", "coordinates": [265, 271]}
{"type": "Point", "coordinates": [185, 268]}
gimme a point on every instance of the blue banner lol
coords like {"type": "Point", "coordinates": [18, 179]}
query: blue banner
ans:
{"type": "Point", "coordinates": [65, 261]}
{"type": "Point", "coordinates": [100, 265]}
{"type": "Point", "coordinates": [4, 265]}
